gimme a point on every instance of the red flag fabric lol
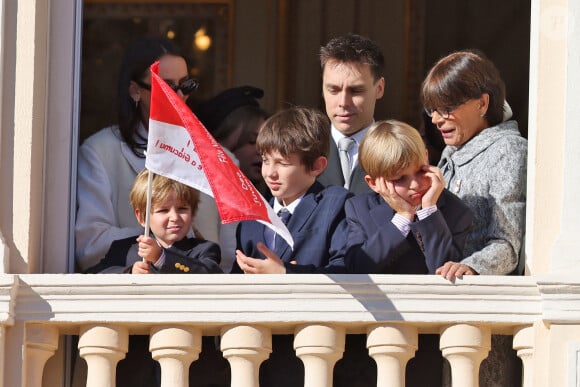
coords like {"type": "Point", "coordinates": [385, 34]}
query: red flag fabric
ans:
{"type": "Point", "coordinates": [180, 148]}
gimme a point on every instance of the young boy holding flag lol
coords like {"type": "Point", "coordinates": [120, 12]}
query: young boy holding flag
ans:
{"type": "Point", "coordinates": [169, 249]}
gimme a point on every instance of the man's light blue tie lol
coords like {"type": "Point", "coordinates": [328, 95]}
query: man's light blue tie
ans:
{"type": "Point", "coordinates": [344, 145]}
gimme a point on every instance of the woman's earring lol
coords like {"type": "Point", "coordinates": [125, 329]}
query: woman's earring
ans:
{"type": "Point", "coordinates": [136, 103]}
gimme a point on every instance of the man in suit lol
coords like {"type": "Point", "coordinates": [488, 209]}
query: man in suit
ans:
{"type": "Point", "coordinates": [352, 82]}
{"type": "Point", "coordinates": [294, 145]}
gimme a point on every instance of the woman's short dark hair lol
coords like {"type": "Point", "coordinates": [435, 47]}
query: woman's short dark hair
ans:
{"type": "Point", "coordinates": [461, 76]}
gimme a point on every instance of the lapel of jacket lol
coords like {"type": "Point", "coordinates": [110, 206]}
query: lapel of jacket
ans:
{"type": "Point", "coordinates": [332, 175]}
{"type": "Point", "coordinates": [300, 217]}
{"type": "Point", "coordinates": [184, 246]}
{"type": "Point", "coordinates": [381, 212]}
{"type": "Point", "coordinates": [357, 181]}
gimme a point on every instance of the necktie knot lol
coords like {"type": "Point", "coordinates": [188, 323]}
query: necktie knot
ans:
{"type": "Point", "coordinates": [284, 215]}
{"type": "Point", "coordinates": [345, 143]}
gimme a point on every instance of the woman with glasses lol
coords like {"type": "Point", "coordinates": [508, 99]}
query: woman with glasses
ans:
{"type": "Point", "coordinates": [109, 160]}
{"type": "Point", "coordinates": [484, 160]}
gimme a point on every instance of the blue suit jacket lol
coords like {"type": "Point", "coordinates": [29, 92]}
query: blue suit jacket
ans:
{"type": "Point", "coordinates": [332, 175]}
{"type": "Point", "coordinates": [375, 244]}
{"type": "Point", "coordinates": [319, 230]}
{"type": "Point", "coordinates": [198, 255]}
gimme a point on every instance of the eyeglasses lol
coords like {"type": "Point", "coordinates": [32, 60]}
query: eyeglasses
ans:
{"type": "Point", "coordinates": [444, 112]}
{"type": "Point", "coordinates": [187, 87]}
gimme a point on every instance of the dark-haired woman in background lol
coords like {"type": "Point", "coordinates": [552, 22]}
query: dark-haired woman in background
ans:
{"type": "Point", "coordinates": [110, 159]}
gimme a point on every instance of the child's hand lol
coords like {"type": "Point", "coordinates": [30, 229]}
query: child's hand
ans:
{"type": "Point", "coordinates": [141, 267]}
{"type": "Point", "coordinates": [149, 249]}
{"type": "Point", "coordinates": [271, 265]}
{"type": "Point", "coordinates": [386, 188]}
{"type": "Point", "coordinates": [437, 185]}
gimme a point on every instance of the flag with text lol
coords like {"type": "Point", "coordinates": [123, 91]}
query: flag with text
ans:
{"type": "Point", "coordinates": [180, 148]}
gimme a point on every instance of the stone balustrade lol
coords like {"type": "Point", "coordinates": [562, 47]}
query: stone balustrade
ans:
{"type": "Point", "coordinates": [245, 311]}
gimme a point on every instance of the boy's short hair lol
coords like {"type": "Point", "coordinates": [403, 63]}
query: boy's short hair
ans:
{"type": "Point", "coordinates": [389, 147]}
{"type": "Point", "coordinates": [161, 186]}
{"type": "Point", "coordinates": [353, 48]}
{"type": "Point", "coordinates": [299, 130]}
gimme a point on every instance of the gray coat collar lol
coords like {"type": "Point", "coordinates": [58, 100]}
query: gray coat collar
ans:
{"type": "Point", "coordinates": [479, 143]}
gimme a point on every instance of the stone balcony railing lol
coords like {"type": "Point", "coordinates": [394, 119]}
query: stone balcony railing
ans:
{"type": "Point", "coordinates": [245, 310]}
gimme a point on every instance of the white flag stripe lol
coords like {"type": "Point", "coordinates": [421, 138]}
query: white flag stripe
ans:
{"type": "Point", "coordinates": [183, 163]}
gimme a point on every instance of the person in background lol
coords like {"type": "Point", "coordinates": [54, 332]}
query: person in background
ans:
{"type": "Point", "coordinates": [352, 82]}
{"type": "Point", "coordinates": [168, 249]}
{"type": "Point", "coordinates": [233, 117]}
{"type": "Point", "coordinates": [109, 160]}
{"type": "Point", "coordinates": [484, 162]}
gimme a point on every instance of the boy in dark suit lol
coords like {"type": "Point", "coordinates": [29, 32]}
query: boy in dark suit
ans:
{"type": "Point", "coordinates": [294, 146]}
{"type": "Point", "coordinates": [409, 224]}
{"type": "Point", "coordinates": [169, 249]}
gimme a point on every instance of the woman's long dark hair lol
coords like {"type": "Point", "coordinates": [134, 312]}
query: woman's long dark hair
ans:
{"type": "Point", "coordinates": [140, 55]}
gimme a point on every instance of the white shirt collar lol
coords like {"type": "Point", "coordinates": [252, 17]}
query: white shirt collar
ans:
{"type": "Point", "coordinates": [357, 137]}
{"type": "Point", "coordinates": [291, 207]}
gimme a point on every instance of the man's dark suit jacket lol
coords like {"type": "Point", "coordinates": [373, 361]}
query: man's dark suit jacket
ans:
{"type": "Point", "coordinates": [332, 175]}
{"type": "Point", "coordinates": [375, 244]}
{"type": "Point", "coordinates": [189, 255]}
{"type": "Point", "coordinates": [318, 228]}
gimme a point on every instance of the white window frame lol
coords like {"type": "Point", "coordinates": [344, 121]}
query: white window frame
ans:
{"type": "Point", "coordinates": [63, 109]}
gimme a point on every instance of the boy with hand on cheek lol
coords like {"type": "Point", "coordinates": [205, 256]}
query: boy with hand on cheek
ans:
{"type": "Point", "coordinates": [294, 145]}
{"type": "Point", "coordinates": [409, 224]}
{"type": "Point", "coordinates": [168, 249]}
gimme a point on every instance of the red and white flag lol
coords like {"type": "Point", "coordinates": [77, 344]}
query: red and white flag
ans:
{"type": "Point", "coordinates": [180, 148]}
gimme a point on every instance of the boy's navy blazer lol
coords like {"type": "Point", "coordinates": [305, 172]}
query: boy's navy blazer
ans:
{"type": "Point", "coordinates": [198, 255]}
{"type": "Point", "coordinates": [319, 230]}
{"type": "Point", "coordinates": [332, 175]}
{"type": "Point", "coordinates": [375, 244]}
